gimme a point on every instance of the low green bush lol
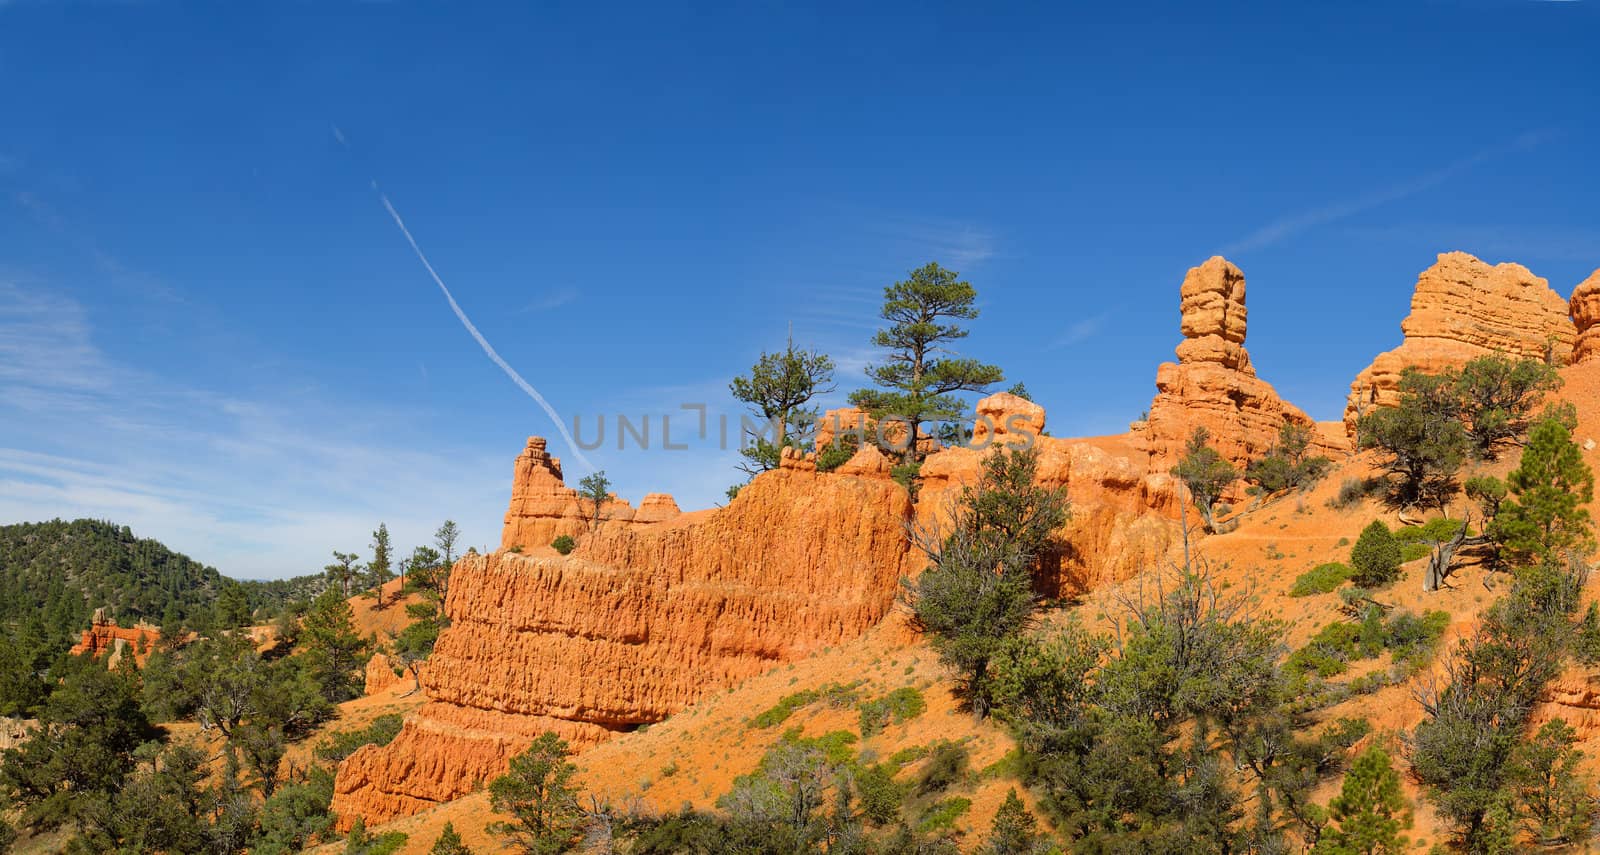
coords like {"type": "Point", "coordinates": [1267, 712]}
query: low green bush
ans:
{"type": "Point", "coordinates": [780, 712]}
{"type": "Point", "coordinates": [564, 544]}
{"type": "Point", "coordinates": [942, 815]}
{"type": "Point", "coordinates": [1322, 579]}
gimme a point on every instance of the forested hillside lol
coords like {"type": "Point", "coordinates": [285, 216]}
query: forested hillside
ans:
{"type": "Point", "coordinates": [55, 574]}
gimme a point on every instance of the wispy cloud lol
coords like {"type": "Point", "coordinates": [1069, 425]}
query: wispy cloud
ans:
{"type": "Point", "coordinates": [1294, 224]}
{"type": "Point", "coordinates": [552, 299]}
{"type": "Point", "coordinates": [259, 487]}
{"type": "Point", "coordinates": [954, 244]}
{"type": "Point", "coordinates": [1080, 331]}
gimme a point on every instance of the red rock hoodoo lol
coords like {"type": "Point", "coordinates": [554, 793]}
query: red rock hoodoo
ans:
{"type": "Point", "coordinates": [543, 507]}
{"type": "Point", "coordinates": [1213, 385]}
{"type": "Point", "coordinates": [1464, 308]}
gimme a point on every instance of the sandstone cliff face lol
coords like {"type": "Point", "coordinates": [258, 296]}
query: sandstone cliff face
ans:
{"type": "Point", "coordinates": [1213, 385]}
{"type": "Point", "coordinates": [1112, 533]}
{"type": "Point", "coordinates": [1463, 309]}
{"type": "Point", "coordinates": [1585, 306]}
{"type": "Point", "coordinates": [637, 623]}
{"type": "Point", "coordinates": [543, 507]}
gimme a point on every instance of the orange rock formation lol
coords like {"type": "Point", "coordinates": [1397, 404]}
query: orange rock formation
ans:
{"type": "Point", "coordinates": [104, 637]}
{"type": "Point", "coordinates": [1213, 385]}
{"type": "Point", "coordinates": [1585, 306]}
{"type": "Point", "coordinates": [655, 609]}
{"type": "Point", "coordinates": [543, 507]}
{"type": "Point", "coordinates": [1463, 309]}
{"type": "Point", "coordinates": [637, 623]}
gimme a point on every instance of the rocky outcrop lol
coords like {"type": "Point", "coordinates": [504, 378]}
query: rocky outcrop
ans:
{"type": "Point", "coordinates": [1005, 419]}
{"type": "Point", "coordinates": [1464, 308]}
{"type": "Point", "coordinates": [382, 675]}
{"type": "Point", "coordinates": [105, 638]}
{"type": "Point", "coordinates": [1213, 385]}
{"type": "Point", "coordinates": [637, 623]}
{"type": "Point", "coordinates": [1585, 307]}
{"type": "Point", "coordinates": [543, 507]}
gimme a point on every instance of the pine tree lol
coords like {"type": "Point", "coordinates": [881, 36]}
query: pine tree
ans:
{"type": "Point", "coordinates": [343, 570]}
{"type": "Point", "coordinates": [917, 385]}
{"type": "Point", "coordinates": [1370, 810]}
{"type": "Point", "coordinates": [1543, 518]}
{"type": "Point", "coordinates": [596, 490]}
{"type": "Point", "coordinates": [1205, 473]}
{"type": "Point", "coordinates": [538, 791]}
{"type": "Point", "coordinates": [1014, 830]}
{"type": "Point", "coordinates": [333, 646]}
{"type": "Point", "coordinates": [449, 843]}
{"type": "Point", "coordinates": [379, 569]}
{"type": "Point", "coordinates": [778, 388]}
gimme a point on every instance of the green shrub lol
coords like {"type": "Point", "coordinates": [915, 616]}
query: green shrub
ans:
{"type": "Point", "coordinates": [1435, 530]}
{"type": "Point", "coordinates": [942, 815]}
{"type": "Point", "coordinates": [1412, 551]}
{"type": "Point", "coordinates": [563, 544]}
{"type": "Point", "coordinates": [780, 712]}
{"type": "Point", "coordinates": [907, 475]}
{"type": "Point", "coordinates": [1376, 557]}
{"type": "Point", "coordinates": [947, 763]}
{"type": "Point", "coordinates": [342, 743]}
{"type": "Point", "coordinates": [1352, 491]}
{"type": "Point", "coordinates": [837, 453]}
{"type": "Point", "coordinates": [879, 794]}
{"type": "Point", "coordinates": [1327, 651]}
{"type": "Point", "coordinates": [900, 706]}
{"type": "Point", "coordinates": [1321, 579]}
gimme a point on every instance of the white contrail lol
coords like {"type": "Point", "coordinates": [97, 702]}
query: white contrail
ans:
{"type": "Point", "coordinates": [483, 342]}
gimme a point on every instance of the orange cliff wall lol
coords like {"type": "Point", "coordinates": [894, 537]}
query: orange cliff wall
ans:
{"type": "Point", "coordinates": [640, 621]}
{"type": "Point", "coordinates": [1464, 308]}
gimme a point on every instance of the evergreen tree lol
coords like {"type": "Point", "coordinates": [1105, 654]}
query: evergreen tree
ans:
{"type": "Point", "coordinates": [444, 540]}
{"type": "Point", "coordinates": [1206, 474]}
{"type": "Point", "coordinates": [778, 388]}
{"type": "Point", "coordinates": [596, 490]}
{"type": "Point", "coordinates": [343, 570]}
{"type": "Point", "coordinates": [449, 843]}
{"type": "Point", "coordinates": [1376, 556]}
{"type": "Point", "coordinates": [380, 569]}
{"type": "Point", "coordinates": [978, 591]}
{"type": "Point", "coordinates": [1497, 397]}
{"type": "Point", "coordinates": [916, 384]}
{"type": "Point", "coordinates": [1014, 830]}
{"type": "Point", "coordinates": [1554, 794]}
{"type": "Point", "coordinates": [333, 647]}
{"type": "Point", "coordinates": [1544, 518]}
{"type": "Point", "coordinates": [1369, 811]}
{"type": "Point", "coordinates": [1421, 442]}
{"type": "Point", "coordinates": [538, 792]}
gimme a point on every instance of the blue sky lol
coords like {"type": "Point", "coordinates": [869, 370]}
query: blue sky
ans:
{"type": "Point", "coordinates": [212, 330]}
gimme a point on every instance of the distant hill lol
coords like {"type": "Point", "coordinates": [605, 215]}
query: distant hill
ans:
{"type": "Point", "coordinates": [62, 571]}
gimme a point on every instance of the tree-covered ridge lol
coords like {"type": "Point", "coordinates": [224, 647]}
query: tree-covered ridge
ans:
{"type": "Point", "coordinates": [68, 569]}
{"type": "Point", "coordinates": [60, 572]}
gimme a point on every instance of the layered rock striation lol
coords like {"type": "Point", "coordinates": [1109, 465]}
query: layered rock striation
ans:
{"type": "Point", "coordinates": [637, 623]}
{"type": "Point", "coordinates": [1464, 308]}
